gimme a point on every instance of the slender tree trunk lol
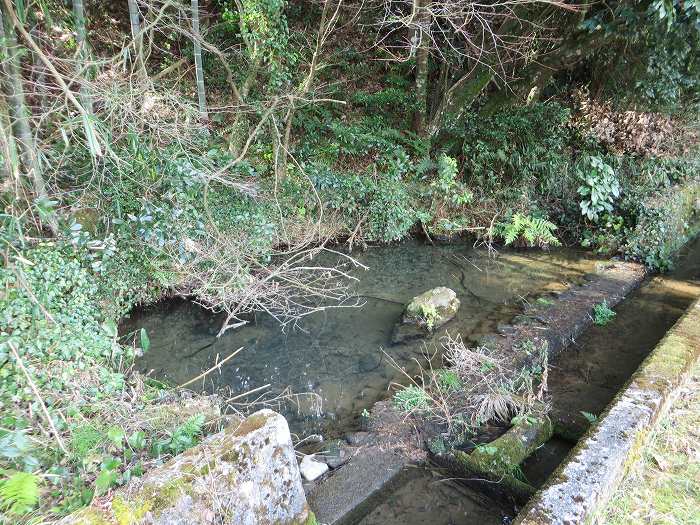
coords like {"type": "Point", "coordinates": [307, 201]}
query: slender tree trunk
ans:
{"type": "Point", "coordinates": [13, 88]}
{"type": "Point", "coordinates": [420, 114]}
{"type": "Point", "coordinates": [137, 35]}
{"type": "Point", "coordinates": [9, 168]}
{"type": "Point", "coordinates": [201, 93]}
{"type": "Point", "coordinates": [325, 27]}
{"type": "Point", "coordinates": [83, 53]}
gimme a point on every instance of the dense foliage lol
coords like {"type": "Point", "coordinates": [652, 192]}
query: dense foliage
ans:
{"type": "Point", "coordinates": [129, 172]}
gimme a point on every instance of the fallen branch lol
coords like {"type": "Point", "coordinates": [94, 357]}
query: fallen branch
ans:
{"type": "Point", "coordinates": [37, 394]}
{"type": "Point", "coordinates": [215, 367]}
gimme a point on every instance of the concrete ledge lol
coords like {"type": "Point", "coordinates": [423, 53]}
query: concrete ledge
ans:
{"type": "Point", "coordinates": [595, 467]}
{"type": "Point", "coordinates": [356, 488]}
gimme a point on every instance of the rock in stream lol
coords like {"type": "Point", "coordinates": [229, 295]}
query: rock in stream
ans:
{"type": "Point", "coordinates": [425, 313]}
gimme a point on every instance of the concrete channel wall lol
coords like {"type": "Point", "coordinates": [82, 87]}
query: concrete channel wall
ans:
{"type": "Point", "coordinates": [594, 468]}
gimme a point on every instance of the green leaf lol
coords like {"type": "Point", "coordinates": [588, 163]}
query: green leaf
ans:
{"type": "Point", "coordinates": [105, 480]}
{"type": "Point", "coordinates": [110, 328]}
{"type": "Point", "coordinates": [137, 440]}
{"type": "Point", "coordinates": [116, 436]}
{"type": "Point", "coordinates": [145, 341]}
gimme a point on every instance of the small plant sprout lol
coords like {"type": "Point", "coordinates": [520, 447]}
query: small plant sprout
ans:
{"type": "Point", "coordinates": [411, 398]}
{"type": "Point", "coordinates": [603, 314]}
{"type": "Point", "coordinates": [591, 418]}
{"type": "Point", "coordinates": [429, 315]}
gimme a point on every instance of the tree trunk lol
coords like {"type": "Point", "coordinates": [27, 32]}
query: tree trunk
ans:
{"type": "Point", "coordinates": [137, 35]}
{"type": "Point", "coordinates": [13, 88]}
{"type": "Point", "coordinates": [201, 93]}
{"type": "Point", "coordinates": [422, 55]}
{"type": "Point", "coordinates": [326, 25]}
{"type": "Point", "coordinates": [82, 67]}
{"type": "Point", "coordinates": [459, 97]}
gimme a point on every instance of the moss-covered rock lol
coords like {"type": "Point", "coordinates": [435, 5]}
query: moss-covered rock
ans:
{"type": "Point", "coordinates": [425, 313]}
{"type": "Point", "coordinates": [244, 475]}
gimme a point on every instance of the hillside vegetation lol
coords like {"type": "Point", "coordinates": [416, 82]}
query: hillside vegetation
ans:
{"type": "Point", "coordinates": [213, 148]}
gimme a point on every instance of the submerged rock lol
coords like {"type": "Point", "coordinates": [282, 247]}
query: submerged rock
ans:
{"type": "Point", "coordinates": [311, 469]}
{"type": "Point", "coordinates": [338, 455]}
{"type": "Point", "coordinates": [425, 313]}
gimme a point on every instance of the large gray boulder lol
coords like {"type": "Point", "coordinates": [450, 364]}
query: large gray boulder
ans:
{"type": "Point", "coordinates": [245, 475]}
{"type": "Point", "coordinates": [425, 313]}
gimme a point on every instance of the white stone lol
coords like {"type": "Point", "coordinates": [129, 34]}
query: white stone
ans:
{"type": "Point", "coordinates": [312, 469]}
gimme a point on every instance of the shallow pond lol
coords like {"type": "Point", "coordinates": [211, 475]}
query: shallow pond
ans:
{"type": "Point", "coordinates": [338, 354]}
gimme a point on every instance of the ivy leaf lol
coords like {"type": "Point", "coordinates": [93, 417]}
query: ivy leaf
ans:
{"type": "Point", "coordinates": [116, 436]}
{"type": "Point", "coordinates": [105, 479]}
{"type": "Point", "coordinates": [137, 440]}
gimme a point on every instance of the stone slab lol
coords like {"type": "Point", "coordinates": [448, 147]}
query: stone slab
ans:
{"type": "Point", "coordinates": [356, 488]}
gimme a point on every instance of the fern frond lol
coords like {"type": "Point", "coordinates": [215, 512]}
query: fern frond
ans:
{"type": "Point", "coordinates": [19, 493]}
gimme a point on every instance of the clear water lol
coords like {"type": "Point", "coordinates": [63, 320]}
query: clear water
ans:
{"type": "Point", "coordinates": [338, 354]}
{"type": "Point", "coordinates": [588, 375]}
{"type": "Point", "coordinates": [427, 497]}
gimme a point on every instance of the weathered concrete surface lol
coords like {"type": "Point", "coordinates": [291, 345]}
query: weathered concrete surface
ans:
{"type": "Point", "coordinates": [376, 463]}
{"type": "Point", "coordinates": [425, 313]}
{"type": "Point", "coordinates": [558, 324]}
{"type": "Point", "coordinates": [594, 468]}
{"type": "Point", "coordinates": [244, 475]}
{"type": "Point", "coordinates": [356, 488]}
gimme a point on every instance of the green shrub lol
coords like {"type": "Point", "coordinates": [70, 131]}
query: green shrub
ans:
{"type": "Point", "coordinates": [516, 147]}
{"type": "Point", "coordinates": [603, 314]}
{"type": "Point", "coordinates": [599, 189]}
{"type": "Point", "coordinates": [411, 398]}
{"type": "Point", "coordinates": [448, 379]}
{"type": "Point", "coordinates": [664, 223]}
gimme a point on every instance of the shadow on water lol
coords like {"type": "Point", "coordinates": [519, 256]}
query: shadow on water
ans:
{"type": "Point", "coordinates": [426, 497]}
{"type": "Point", "coordinates": [337, 353]}
{"type": "Point", "coordinates": [588, 374]}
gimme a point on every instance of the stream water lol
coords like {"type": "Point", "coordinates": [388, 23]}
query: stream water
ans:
{"type": "Point", "coordinates": [588, 374]}
{"type": "Point", "coordinates": [338, 354]}
{"type": "Point", "coordinates": [585, 378]}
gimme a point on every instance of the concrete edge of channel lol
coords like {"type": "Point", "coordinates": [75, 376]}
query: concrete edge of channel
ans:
{"type": "Point", "coordinates": [584, 482]}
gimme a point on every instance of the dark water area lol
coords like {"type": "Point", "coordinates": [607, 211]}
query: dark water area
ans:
{"type": "Point", "coordinates": [335, 360]}
{"type": "Point", "coordinates": [586, 377]}
{"type": "Point", "coordinates": [427, 497]}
